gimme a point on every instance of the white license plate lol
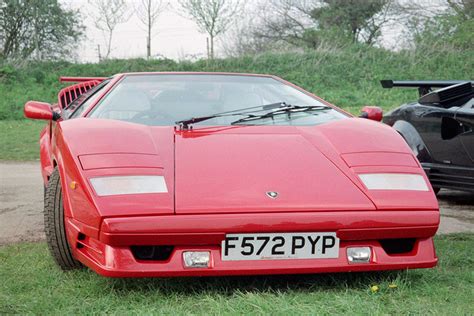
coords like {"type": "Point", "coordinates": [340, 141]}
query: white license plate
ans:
{"type": "Point", "coordinates": [280, 246]}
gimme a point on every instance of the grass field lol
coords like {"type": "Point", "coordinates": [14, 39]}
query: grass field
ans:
{"type": "Point", "coordinates": [30, 283]}
{"type": "Point", "coordinates": [19, 140]}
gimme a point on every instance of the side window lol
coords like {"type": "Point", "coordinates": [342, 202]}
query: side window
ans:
{"type": "Point", "coordinates": [92, 96]}
{"type": "Point", "coordinates": [468, 107]}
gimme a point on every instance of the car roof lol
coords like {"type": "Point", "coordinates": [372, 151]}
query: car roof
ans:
{"type": "Point", "coordinates": [197, 73]}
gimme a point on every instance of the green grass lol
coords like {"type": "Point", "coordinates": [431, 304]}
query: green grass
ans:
{"type": "Point", "coordinates": [30, 283]}
{"type": "Point", "coordinates": [19, 140]}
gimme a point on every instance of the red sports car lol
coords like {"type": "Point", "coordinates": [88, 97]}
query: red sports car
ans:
{"type": "Point", "coordinates": [196, 174]}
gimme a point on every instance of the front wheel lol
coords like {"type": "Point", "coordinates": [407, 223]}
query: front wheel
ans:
{"type": "Point", "coordinates": [54, 225]}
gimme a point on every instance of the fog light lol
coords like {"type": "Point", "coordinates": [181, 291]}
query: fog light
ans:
{"type": "Point", "coordinates": [196, 259]}
{"type": "Point", "coordinates": [358, 254]}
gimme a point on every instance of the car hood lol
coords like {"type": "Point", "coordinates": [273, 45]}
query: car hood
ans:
{"type": "Point", "coordinates": [249, 169]}
{"type": "Point", "coordinates": [241, 169]}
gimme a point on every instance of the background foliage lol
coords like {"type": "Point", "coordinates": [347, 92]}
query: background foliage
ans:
{"type": "Point", "coordinates": [329, 47]}
{"type": "Point", "coordinates": [42, 29]}
{"type": "Point", "coordinates": [348, 77]}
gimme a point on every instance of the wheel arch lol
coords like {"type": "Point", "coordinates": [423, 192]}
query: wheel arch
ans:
{"type": "Point", "coordinates": [413, 139]}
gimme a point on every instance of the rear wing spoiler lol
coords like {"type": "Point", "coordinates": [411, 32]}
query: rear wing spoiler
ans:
{"type": "Point", "coordinates": [448, 92]}
{"type": "Point", "coordinates": [81, 79]}
{"type": "Point", "coordinates": [424, 86]}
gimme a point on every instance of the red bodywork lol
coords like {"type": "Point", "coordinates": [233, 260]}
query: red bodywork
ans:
{"type": "Point", "coordinates": [215, 178]}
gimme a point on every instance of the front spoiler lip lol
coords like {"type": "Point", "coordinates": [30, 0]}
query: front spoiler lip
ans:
{"type": "Point", "coordinates": [119, 262]}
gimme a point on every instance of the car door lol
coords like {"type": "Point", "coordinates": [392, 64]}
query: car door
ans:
{"type": "Point", "coordinates": [434, 124]}
{"type": "Point", "coordinates": [465, 117]}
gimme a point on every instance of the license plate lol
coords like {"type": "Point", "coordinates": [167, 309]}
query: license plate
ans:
{"type": "Point", "coordinates": [280, 246]}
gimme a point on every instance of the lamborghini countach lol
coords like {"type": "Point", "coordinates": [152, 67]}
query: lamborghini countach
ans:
{"type": "Point", "coordinates": [199, 174]}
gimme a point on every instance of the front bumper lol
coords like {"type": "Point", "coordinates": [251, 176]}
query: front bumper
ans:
{"type": "Point", "coordinates": [110, 254]}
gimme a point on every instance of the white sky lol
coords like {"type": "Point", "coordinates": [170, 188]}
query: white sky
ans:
{"type": "Point", "coordinates": [174, 36]}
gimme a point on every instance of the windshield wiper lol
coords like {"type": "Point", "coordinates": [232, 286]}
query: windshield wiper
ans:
{"type": "Point", "coordinates": [288, 109]}
{"type": "Point", "coordinates": [184, 124]}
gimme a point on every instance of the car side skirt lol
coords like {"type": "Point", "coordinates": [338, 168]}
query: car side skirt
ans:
{"type": "Point", "coordinates": [450, 177]}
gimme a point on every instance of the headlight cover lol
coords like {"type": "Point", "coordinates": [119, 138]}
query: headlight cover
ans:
{"type": "Point", "coordinates": [117, 185]}
{"type": "Point", "coordinates": [394, 181]}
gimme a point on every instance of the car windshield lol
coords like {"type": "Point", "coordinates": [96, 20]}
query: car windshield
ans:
{"type": "Point", "coordinates": [162, 100]}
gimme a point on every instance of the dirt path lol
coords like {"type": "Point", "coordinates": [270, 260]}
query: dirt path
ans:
{"type": "Point", "coordinates": [21, 205]}
{"type": "Point", "coordinates": [457, 211]}
{"type": "Point", "coordinates": [21, 202]}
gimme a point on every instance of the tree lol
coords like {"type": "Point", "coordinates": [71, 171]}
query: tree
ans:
{"type": "Point", "coordinates": [41, 28]}
{"type": "Point", "coordinates": [459, 32]}
{"type": "Point", "coordinates": [287, 21]}
{"type": "Point", "coordinates": [240, 41]}
{"type": "Point", "coordinates": [148, 12]}
{"type": "Point", "coordinates": [110, 13]}
{"type": "Point", "coordinates": [213, 17]}
{"type": "Point", "coordinates": [464, 9]}
{"type": "Point", "coordinates": [445, 26]}
{"type": "Point", "coordinates": [309, 22]}
{"type": "Point", "coordinates": [355, 19]}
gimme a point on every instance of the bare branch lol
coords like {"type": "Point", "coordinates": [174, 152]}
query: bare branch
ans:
{"type": "Point", "coordinates": [148, 12]}
{"type": "Point", "coordinates": [108, 14]}
{"type": "Point", "coordinates": [213, 17]}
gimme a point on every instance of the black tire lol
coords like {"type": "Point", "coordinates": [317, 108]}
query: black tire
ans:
{"type": "Point", "coordinates": [54, 225]}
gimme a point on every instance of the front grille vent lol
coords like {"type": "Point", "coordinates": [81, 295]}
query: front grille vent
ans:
{"type": "Point", "coordinates": [398, 246]}
{"type": "Point", "coordinates": [152, 253]}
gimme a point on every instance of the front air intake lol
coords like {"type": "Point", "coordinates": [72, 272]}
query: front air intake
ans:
{"type": "Point", "coordinates": [152, 253]}
{"type": "Point", "coordinates": [398, 246]}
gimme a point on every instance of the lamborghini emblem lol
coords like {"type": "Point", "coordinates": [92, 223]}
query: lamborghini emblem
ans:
{"type": "Point", "coordinates": [272, 194]}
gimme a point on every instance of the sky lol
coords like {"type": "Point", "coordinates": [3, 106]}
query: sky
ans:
{"type": "Point", "coordinates": [174, 36]}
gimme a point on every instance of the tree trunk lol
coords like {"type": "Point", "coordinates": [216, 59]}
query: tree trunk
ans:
{"type": "Point", "coordinates": [36, 36]}
{"type": "Point", "coordinates": [148, 47]}
{"type": "Point", "coordinates": [212, 46]}
{"type": "Point", "coordinates": [148, 43]}
{"type": "Point", "coordinates": [109, 45]}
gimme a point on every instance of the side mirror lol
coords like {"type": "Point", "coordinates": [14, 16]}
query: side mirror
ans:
{"type": "Point", "coordinates": [374, 113]}
{"type": "Point", "coordinates": [39, 111]}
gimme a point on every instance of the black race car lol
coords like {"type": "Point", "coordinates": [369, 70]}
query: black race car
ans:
{"type": "Point", "coordinates": [439, 129]}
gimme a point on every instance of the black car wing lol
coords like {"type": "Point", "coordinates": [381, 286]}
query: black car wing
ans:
{"type": "Point", "coordinates": [424, 86]}
{"type": "Point", "coordinates": [449, 91]}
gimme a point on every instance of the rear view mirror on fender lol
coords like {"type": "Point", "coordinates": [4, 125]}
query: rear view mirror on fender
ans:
{"type": "Point", "coordinates": [374, 113]}
{"type": "Point", "coordinates": [39, 111]}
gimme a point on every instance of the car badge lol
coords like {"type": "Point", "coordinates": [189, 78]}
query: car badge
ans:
{"type": "Point", "coordinates": [272, 194]}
